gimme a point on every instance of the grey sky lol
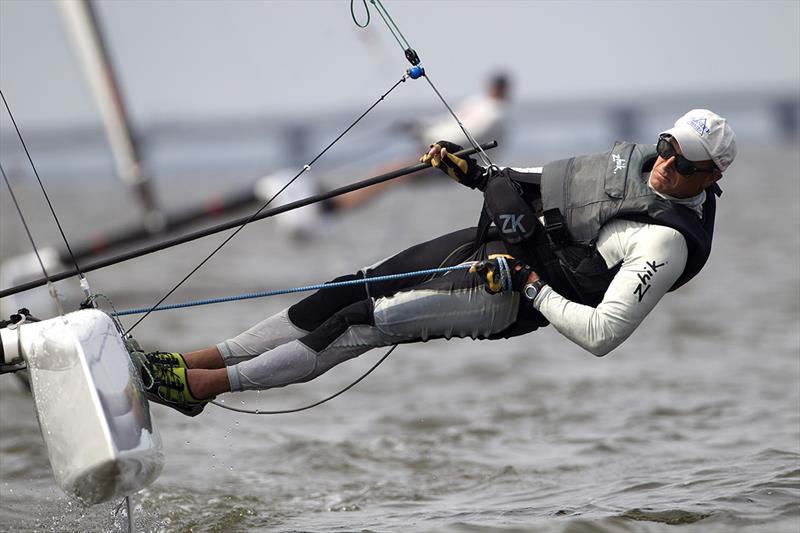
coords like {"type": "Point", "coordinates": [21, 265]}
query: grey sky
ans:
{"type": "Point", "coordinates": [199, 59]}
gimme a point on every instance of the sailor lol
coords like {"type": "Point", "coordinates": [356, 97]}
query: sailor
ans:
{"type": "Point", "coordinates": [483, 114]}
{"type": "Point", "coordinates": [588, 244]}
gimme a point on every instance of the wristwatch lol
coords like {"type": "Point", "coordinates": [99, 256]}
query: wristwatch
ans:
{"type": "Point", "coordinates": [531, 290]}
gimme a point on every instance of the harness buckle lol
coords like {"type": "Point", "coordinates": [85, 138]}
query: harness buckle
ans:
{"type": "Point", "coordinates": [555, 227]}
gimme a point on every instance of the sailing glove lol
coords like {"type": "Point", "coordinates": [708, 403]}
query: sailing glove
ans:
{"type": "Point", "coordinates": [501, 273]}
{"type": "Point", "coordinates": [462, 169]}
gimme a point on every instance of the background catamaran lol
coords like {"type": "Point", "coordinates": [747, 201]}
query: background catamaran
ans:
{"type": "Point", "coordinates": [81, 20]}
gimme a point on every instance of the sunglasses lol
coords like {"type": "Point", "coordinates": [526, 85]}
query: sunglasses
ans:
{"type": "Point", "coordinates": [665, 149]}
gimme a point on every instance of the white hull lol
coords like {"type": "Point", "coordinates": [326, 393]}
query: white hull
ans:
{"type": "Point", "coordinates": [93, 415]}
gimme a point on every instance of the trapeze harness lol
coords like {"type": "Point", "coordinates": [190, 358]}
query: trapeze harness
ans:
{"type": "Point", "coordinates": [576, 197]}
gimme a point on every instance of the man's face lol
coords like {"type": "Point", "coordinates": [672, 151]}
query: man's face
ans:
{"type": "Point", "coordinates": [666, 179]}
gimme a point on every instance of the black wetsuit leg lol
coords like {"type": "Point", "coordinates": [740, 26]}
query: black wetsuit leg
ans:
{"type": "Point", "coordinates": [447, 250]}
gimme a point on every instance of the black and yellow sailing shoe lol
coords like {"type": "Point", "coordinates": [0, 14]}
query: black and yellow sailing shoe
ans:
{"type": "Point", "coordinates": [141, 358]}
{"type": "Point", "coordinates": [167, 385]}
{"type": "Point", "coordinates": [168, 359]}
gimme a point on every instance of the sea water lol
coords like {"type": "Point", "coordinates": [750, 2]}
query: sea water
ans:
{"type": "Point", "coordinates": [692, 425]}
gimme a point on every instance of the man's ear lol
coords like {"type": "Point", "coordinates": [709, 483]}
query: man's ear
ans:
{"type": "Point", "coordinates": [712, 178]}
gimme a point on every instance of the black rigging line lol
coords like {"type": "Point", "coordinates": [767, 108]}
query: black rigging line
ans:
{"type": "Point", "coordinates": [41, 185]}
{"type": "Point", "coordinates": [414, 59]}
{"type": "Point", "coordinates": [353, 14]}
{"type": "Point", "coordinates": [254, 215]}
{"type": "Point", "coordinates": [24, 223]}
{"type": "Point", "coordinates": [312, 405]}
{"type": "Point", "coordinates": [411, 55]}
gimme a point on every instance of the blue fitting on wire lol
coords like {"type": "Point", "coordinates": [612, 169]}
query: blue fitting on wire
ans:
{"type": "Point", "coordinates": [415, 72]}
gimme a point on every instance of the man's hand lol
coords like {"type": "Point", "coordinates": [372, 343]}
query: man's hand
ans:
{"type": "Point", "coordinates": [502, 272]}
{"type": "Point", "coordinates": [464, 170]}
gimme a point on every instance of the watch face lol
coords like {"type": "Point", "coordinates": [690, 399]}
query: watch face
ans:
{"type": "Point", "coordinates": [530, 291]}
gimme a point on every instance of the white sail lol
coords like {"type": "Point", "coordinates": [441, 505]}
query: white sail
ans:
{"type": "Point", "coordinates": [81, 21]}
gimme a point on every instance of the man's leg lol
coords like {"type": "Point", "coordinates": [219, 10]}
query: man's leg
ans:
{"type": "Point", "coordinates": [264, 336]}
{"type": "Point", "coordinates": [300, 319]}
{"type": "Point", "coordinates": [454, 305]}
{"type": "Point", "coordinates": [342, 324]}
{"type": "Point", "coordinates": [345, 335]}
{"type": "Point", "coordinates": [447, 250]}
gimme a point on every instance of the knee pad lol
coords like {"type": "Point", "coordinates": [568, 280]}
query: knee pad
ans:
{"type": "Point", "coordinates": [359, 313]}
{"type": "Point", "coordinates": [310, 313]}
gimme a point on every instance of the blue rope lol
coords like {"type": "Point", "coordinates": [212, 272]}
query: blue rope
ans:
{"type": "Point", "coordinates": [249, 296]}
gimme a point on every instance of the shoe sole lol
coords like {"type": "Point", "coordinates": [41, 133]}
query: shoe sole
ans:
{"type": "Point", "coordinates": [188, 411]}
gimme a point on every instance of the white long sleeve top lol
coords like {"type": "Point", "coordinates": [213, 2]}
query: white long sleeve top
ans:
{"type": "Point", "coordinates": [651, 258]}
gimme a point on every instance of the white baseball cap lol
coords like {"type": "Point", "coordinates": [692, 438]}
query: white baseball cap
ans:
{"type": "Point", "coordinates": [702, 135]}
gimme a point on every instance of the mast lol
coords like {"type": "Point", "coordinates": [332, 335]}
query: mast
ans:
{"type": "Point", "coordinates": [81, 20]}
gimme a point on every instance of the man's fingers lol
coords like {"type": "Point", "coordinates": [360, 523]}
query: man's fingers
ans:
{"type": "Point", "coordinates": [481, 268]}
{"type": "Point", "coordinates": [478, 268]}
{"type": "Point", "coordinates": [433, 156]}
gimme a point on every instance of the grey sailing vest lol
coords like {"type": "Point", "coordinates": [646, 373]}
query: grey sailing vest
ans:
{"type": "Point", "coordinates": [581, 194]}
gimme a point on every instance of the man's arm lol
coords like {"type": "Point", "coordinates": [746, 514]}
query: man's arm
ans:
{"type": "Point", "coordinates": [652, 256]}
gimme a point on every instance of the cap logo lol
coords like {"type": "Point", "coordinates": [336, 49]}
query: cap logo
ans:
{"type": "Point", "coordinates": [699, 125]}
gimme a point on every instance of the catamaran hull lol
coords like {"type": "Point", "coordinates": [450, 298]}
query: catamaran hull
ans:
{"type": "Point", "coordinates": [93, 415]}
